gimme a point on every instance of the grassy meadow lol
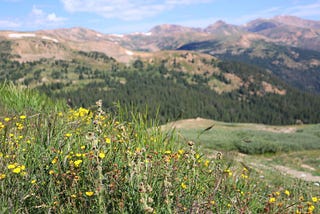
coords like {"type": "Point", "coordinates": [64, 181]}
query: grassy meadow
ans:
{"type": "Point", "coordinates": [54, 159]}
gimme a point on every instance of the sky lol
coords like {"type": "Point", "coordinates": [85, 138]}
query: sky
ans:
{"type": "Point", "coordinates": [129, 16]}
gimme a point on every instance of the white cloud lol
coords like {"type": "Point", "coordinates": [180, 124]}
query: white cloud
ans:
{"type": "Point", "coordinates": [126, 9]}
{"type": "Point", "coordinates": [38, 17]}
{"type": "Point", "coordinates": [9, 24]}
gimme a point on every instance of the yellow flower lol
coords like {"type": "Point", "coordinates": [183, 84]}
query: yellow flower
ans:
{"type": "Point", "coordinates": [272, 200]}
{"type": "Point", "coordinates": [168, 152]}
{"type": "Point", "coordinates": [212, 202]}
{"type": "Point", "coordinates": [2, 176]}
{"type": "Point", "coordinates": [183, 186]}
{"type": "Point", "coordinates": [7, 119]}
{"type": "Point", "coordinates": [206, 163]}
{"type": "Point", "coordinates": [311, 208]}
{"type": "Point", "coordinates": [12, 166]}
{"type": "Point", "coordinates": [102, 155]}
{"type": "Point", "coordinates": [17, 170]}
{"type": "Point", "coordinates": [22, 117]}
{"type": "Point", "coordinates": [34, 181]}
{"type": "Point", "coordinates": [68, 135]}
{"type": "Point", "coordinates": [89, 193]}
{"type": "Point", "coordinates": [77, 163]}
{"type": "Point", "coordinates": [228, 171]}
{"type": "Point", "coordinates": [82, 147]}
{"type": "Point", "coordinates": [287, 192]}
{"type": "Point", "coordinates": [55, 160]}
{"type": "Point", "coordinates": [107, 140]}
{"type": "Point", "coordinates": [73, 196]}
{"type": "Point", "coordinates": [315, 199]}
{"type": "Point", "coordinates": [181, 151]}
{"type": "Point", "coordinates": [51, 172]}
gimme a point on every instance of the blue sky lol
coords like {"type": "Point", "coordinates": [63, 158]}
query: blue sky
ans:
{"type": "Point", "coordinates": [128, 16]}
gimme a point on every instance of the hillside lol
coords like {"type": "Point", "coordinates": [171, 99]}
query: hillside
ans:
{"type": "Point", "coordinates": [170, 85]}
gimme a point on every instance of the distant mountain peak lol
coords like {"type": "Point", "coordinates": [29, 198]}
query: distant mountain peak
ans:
{"type": "Point", "coordinates": [172, 28]}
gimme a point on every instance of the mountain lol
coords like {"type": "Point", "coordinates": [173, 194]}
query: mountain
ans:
{"type": "Point", "coordinates": [261, 72]}
{"type": "Point", "coordinates": [61, 43]}
{"type": "Point", "coordinates": [288, 30]}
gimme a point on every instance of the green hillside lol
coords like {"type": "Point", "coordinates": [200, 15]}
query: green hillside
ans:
{"type": "Point", "coordinates": [184, 86]}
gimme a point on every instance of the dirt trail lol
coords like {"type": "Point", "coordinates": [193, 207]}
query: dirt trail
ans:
{"type": "Point", "coordinates": [297, 174]}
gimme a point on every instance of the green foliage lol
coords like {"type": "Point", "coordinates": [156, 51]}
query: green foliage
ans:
{"type": "Point", "coordinates": [91, 162]}
{"type": "Point", "coordinates": [15, 99]}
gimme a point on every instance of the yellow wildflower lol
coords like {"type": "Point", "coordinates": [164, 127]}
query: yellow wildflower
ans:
{"type": "Point", "coordinates": [107, 140]}
{"type": "Point", "coordinates": [311, 208]}
{"type": "Point", "coordinates": [22, 117]}
{"type": "Point", "coordinates": [77, 163]}
{"type": "Point", "coordinates": [212, 202]}
{"type": "Point", "coordinates": [181, 151]}
{"type": "Point", "coordinates": [90, 193]}
{"type": "Point", "coordinates": [51, 172]}
{"type": "Point", "coordinates": [68, 135]}
{"type": "Point", "coordinates": [34, 181]}
{"type": "Point", "coordinates": [55, 160]}
{"type": "Point", "coordinates": [314, 199]}
{"type": "Point", "coordinates": [12, 166]}
{"type": "Point", "coordinates": [168, 152]}
{"type": "Point", "coordinates": [183, 186]}
{"type": "Point", "coordinates": [16, 170]}
{"type": "Point", "coordinates": [287, 192]}
{"type": "Point", "coordinates": [2, 176]}
{"type": "Point", "coordinates": [102, 155]}
{"type": "Point", "coordinates": [272, 200]}
{"type": "Point", "coordinates": [7, 119]}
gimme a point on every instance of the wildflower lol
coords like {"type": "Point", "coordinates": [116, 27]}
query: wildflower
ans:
{"type": "Point", "coordinates": [311, 208]}
{"type": "Point", "coordinates": [73, 196]}
{"type": "Point", "coordinates": [7, 119]}
{"type": "Point", "coordinates": [12, 166]}
{"type": "Point", "coordinates": [244, 176]}
{"type": "Point", "coordinates": [314, 199]}
{"type": "Point", "coordinates": [206, 163]}
{"type": "Point", "coordinates": [107, 140]}
{"type": "Point", "coordinates": [89, 193]}
{"type": "Point", "coordinates": [181, 151]}
{"type": "Point", "coordinates": [22, 117]}
{"type": "Point", "coordinates": [55, 160]}
{"type": "Point", "coordinates": [16, 170]}
{"type": "Point", "coordinates": [287, 192]}
{"type": "Point", "coordinates": [168, 152]}
{"type": "Point", "coordinates": [2, 176]}
{"type": "Point", "coordinates": [228, 171]}
{"type": "Point", "coordinates": [212, 202]}
{"type": "Point", "coordinates": [183, 186]}
{"type": "Point", "coordinates": [83, 147]}
{"type": "Point", "coordinates": [51, 172]}
{"type": "Point", "coordinates": [68, 135]}
{"type": "Point", "coordinates": [102, 155]}
{"type": "Point", "coordinates": [272, 200]}
{"type": "Point", "coordinates": [34, 181]}
{"type": "Point", "coordinates": [77, 163]}
{"type": "Point", "coordinates": [78, 155]}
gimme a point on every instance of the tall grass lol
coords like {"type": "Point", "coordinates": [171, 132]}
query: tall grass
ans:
{"type": "Point", "coordinates": [18, 99]}
{"type": "Point", "coordinates": [81, 161]}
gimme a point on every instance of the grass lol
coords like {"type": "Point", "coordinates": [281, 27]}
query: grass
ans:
{"type": "Point", "coordinates": [81, 161]}
{"type": "Point", "coordinates": [253, 138]}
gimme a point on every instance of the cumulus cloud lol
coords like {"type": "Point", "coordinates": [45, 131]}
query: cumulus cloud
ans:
{"type": "Point", "coordinates": [126, 9]}
{"type": "Point", "coordinates": [39, 17]}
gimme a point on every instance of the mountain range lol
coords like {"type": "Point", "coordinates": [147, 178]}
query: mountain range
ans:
{"type": "Point", "coordinates": [278, 56]}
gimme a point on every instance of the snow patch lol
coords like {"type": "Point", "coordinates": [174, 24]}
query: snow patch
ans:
{"type": "Point", "coordinates": [49, 38]}
{"type": "Point", "coordinates": [21, 35]}
{"type": "Point", "coordinates": [118, 35]}
{"type": "Point", "coordinates": [129, 52]}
